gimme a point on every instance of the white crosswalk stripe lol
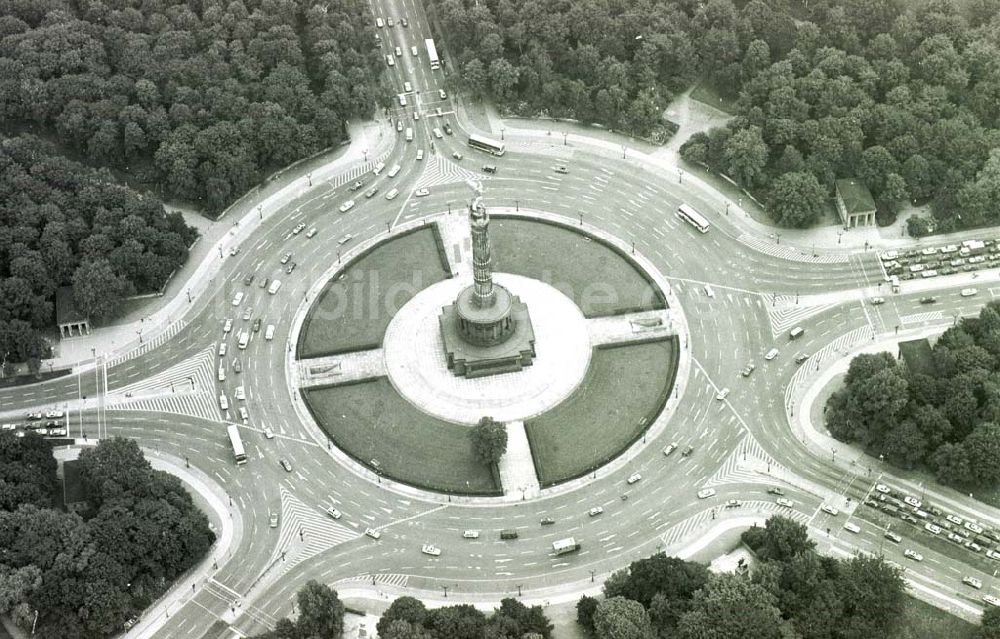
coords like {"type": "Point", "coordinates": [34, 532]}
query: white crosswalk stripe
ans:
{"type": "Point", "coordinates": [356, 171]}
{"type": "Point", "coordinates": [193, 374]}
{"type": "Point", "coordinates": [398, 580]}
{"type": "Point", "coordinates": [318, 531]}
{"type": "Point", "coordinates": [783, 312]}
{"type": "Point", "coordinates": [438, 170]}
{"type": "Point", "coordinates": [919, 318]}
{"type": "Point", "coordinates": [786, 252]}
{"type": "Point", "coordinates": [149, 344]}
{"type": "Point", "coordinates": [696, 524]}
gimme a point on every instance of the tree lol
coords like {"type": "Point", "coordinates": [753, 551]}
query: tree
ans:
{"type": "Point", "coordinates": [873, 596]}
{"type": "Point", "coordinates": [796, 200]}
{"type": "Point", "coordinates": [112, 468]}
{"type": "Point", "coordinates": [585, 609]}
{"type": "Point", "coordinates": [990, 624]}
{"type": "Point", "coordinates": [905, 444]}
{"type": "Point", "coordinates": [732, 607]}
{"type": "Point", "coordinates": [951, 464]}
{"type": "Point", "coordinates": [98, 290]}
{"type": "Point", "coordinates": [408, 609]}
{"type": "Point", "coordinates": [490, 440]}
{"type": "Point", "coordinates": [671, 577]}
{"type": "Point", "coordinates": [746, 156]}
{"type": "Point", "coordinates": [982, 448]}
{"type": "Point", "coordinates": [321, 613]}
{"type": "Point", "coordinates": [621, 618]}
{"type": "Point", "coordinates": [784, 539]}
{"type": "Point", "coordinates": [502, 77]}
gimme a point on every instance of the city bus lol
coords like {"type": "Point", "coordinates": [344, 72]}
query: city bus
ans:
{"type": "Point", "coordinates": [692, 217]}
{"type": "Point", "coordinates": [432, 54]}
{"type": "Point", "coordinates": [486, 144]}
{"type": "Point", "coordinates": [237, 443]}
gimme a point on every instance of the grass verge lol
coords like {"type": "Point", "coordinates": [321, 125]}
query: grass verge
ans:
{"type": "Point", "coordinates": [352, 312]}
{"type": "Point", "coordinates": [596, 277]}
{"type": "Point", "coordinates": [623, 391]}
{"type": "Point", "coordinates": [369, 420]}
{"type": "Point", "coordinates": [707, 95]}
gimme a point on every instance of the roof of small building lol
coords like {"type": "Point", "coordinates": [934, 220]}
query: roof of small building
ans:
{"type": "Point", "coordinates": [918, 356]}
{"type": "Point", "coordinates": [855, 195]}
{"type": "Point", "coordinates": [66, 311]}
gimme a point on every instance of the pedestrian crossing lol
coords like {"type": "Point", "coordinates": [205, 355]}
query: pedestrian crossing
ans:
{"type": "Point", "coordinates": [792, 253]}
{"type": "Point", "coordinates": [438, 170]}
{"type": "Point", "coordinates": [920, 318]}
{"type": "Point", "coordinates": [745, 463]}
{"type": "Point", "coordinates": [397, 580]}
{"type": "Point", "coordinates": [193, 374]}
{"type": "Point", "coordinates": [783, 312]}
{"type": "Point", "coordinates": [696, 524]}
{"type": "Point", "coordinates": [150, 344]}
{"type": "Point", "coordinates": [306, 531]}
{"type": "Point", "coordinates": [357, 171]}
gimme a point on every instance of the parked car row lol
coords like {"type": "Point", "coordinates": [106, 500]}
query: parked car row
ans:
{"type": "Point", "coordinates": [970, 255]}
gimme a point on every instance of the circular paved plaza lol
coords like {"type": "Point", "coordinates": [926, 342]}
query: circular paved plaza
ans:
{"type": "Point", "coordinates": [417, 367]}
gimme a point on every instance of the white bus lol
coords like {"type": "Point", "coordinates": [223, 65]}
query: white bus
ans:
{"type": "Point", "coordinates": [564, 546]}
{"type": "Point", "coordinates": [237, 443]}
{"type": "Point", "coordinates": [432, 54]}
{"type": "Point", "coordinates": [692, 217]}
{"type": "Point", "coordinates": [486, 144]}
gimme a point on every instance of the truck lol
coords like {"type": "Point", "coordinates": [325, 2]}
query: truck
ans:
{"type": "Point", "coordinates": [565, 546]}
{"type": "Point", "coordinates": [432, 54]}
{"type": "Point", "coordinates": [972, 247]}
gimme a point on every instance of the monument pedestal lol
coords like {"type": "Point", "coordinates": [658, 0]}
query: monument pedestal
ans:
{"type": "Point", "coordinates": [486, 341]}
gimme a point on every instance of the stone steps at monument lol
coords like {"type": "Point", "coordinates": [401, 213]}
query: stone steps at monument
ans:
{"type": "Point", "coordinates": [517, 470]}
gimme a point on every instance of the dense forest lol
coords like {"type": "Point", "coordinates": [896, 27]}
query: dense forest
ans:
{"type": "Point", "coordinates": [86, 573]}
{"type": "Point", "coordinates": [944, 414]}
{"type": "Point", "coordinates": [199, 99]}
{"type": "Point", "coordinates": [904, 95]}
{"type": "Point", "coordinates": [63, 224]}
{"type": "Point", "coordinates": [793, 593]}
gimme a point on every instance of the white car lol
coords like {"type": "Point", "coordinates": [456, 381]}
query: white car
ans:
{"type": "Point", "coordinates": [430, 549]}
{"type": "Point", "coordinates": [374, 534]}
{"type": "Point", "coordinates": [913, 501]}
{"type": "Point", "coordinates": [595, 511]}
{"type": "Point", "coordinates": [974, 527]}
{"type": "Point", "coordinates": [391, 195]}
{"type": "Point", "coordinates": [471, 534]}
{"type": "Point", "coordinates": [724, 393]}
{"type": "Point", "coordinates": [771, 354]}
{"type": "Point", "coordinates": [634, 477]}
{"type": "Point", "coordinates": [992, 554]}
{"type": "Point", "coordinates": [241, 393]}
{"type": "Point", "coordinates": [54, 414]}
{"type": "Point", "coordinates": [891, 536]}
{"type": "Point", "coordinates": [850, 526]}
{"type": "Point", "coordinates": [244, 415]}
{"type": "Point", "coordinates": [913, 554]}
{"type": "Point", "coordinates": [268, 433]}
{"type": "Point", "coordinates": [991, 600]}
{"type": "Point", "coordinates": [882, 488]}
{"type": "Point", "coordinates": [968, 292]}
{"type": "Point", "coordinates": [333, 512]}
{"type": "Point", "coordinates": [299, 228]}
{"type": "Point", "coordinates": [222, 349]}
{"type": "Point", "coordinates": [876, 301]}
{"type": "Point", "coordinates": [671, 447]}
{"type": "Point", "coordinates": [955, 519]}
{"type": "Point", "coordinates": [784, 501]}
{"type": "Point", "coordinates": [422, 193]}
{"type": "Point", "coordinates": [228, 326]}
{"type": "Point", "coordinates": [347, 206]}
{"type": "Point", "coordinates": [705, 493]}
{"type": "Point", "coordinates": [407, 87]}
{"type": "Point", "coordinates": [934, 529]}
{"type": "Point", "coordinates": [311, 232]}
{"type": "Point", "coordinates": [972, 581]}
{"type": "Point", "coordinates": [830, 510]}
{"type": "Point", "coordinates": [345, 239]}
{"type": "Point", "coordinates": [420, 154]}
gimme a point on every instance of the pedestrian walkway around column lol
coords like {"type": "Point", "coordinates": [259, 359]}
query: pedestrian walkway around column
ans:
{"type": "Point", "coordinates": [517, 468]}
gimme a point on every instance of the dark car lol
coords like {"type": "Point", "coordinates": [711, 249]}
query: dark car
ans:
{"type": "Point", "coordinates": [548, 521]}
{"type": "Point", "coordinates": [357, 185]}
{"type": "Point", "coordinates": [687, 451]}
{"type": "Point", "coordinates": [928, 300]}
{"type": "Point", "coordinates": [447, 128]}
{"type": "Point", "coordinates": [248, 280]}
{"type": "Point", "coordinates": [284, 464]}
{"type": "Point", "coordinates": [749, 368]}
{"type": "Point", "coordinates": [774, 490]}
{"type": "Point", "coordinates": [256, 325]}
{"type": "Point", "coordinates": [291, 267]}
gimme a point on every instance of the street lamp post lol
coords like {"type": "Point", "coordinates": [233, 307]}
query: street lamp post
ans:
{"type": "Point", "coordinates": [189, 295]}
{"type": "Point", "coordinates": [623, 151]}
{"type": "Point", "coordinates": [445, 591]}
{"type": "Point", "coordinates": [501, 133]}
{"type": "Point", "coordinates": [365, 152]}
{"type": "Point", "coordinates": [565, 135]}
{"type": "Point", "coordinates": [260, 212]}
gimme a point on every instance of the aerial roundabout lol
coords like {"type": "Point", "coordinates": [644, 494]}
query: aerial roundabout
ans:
{"type": "Point", "coordinates": [558, 331]}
